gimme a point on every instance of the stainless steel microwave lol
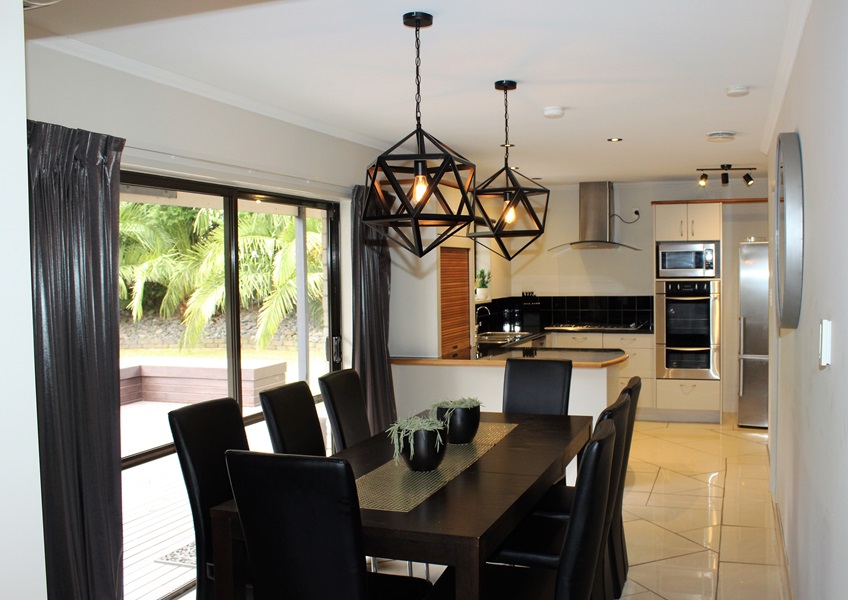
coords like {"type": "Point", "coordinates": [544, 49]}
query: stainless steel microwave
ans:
{"type": "Point", "coordinates": [687, 259]}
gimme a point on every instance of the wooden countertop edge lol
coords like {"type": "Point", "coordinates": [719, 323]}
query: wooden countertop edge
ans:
{"type": "Point", "coordinates": [455, 362]}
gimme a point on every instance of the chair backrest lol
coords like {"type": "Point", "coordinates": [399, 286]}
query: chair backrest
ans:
{"type": "Point", "coordinates": [537, 386]}
{"type": "Point", "coordinates": [203, 433]}
{"type": "Point", "coordinates": [618, 412]}
{"type": "Point", "coordinates": [345, 402]}
{"type": "Point", "coordinates": [292, 420]}
{"type": "Point", "coordinates": [301, 523]}
{"type": "Point", "coordinates": [585, 536]}
{"type": "Point", "coordinates": [634, 387]}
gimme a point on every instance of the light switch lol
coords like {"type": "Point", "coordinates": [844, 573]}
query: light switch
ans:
{"type": "Point", "coordinates": [824, 343]}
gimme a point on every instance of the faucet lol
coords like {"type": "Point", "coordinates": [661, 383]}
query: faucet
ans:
{"type": "Point", "coordinates": [477, 324]}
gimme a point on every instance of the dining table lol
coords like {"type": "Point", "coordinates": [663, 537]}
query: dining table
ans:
{"type": "Point", "coordinates": [456, 515]}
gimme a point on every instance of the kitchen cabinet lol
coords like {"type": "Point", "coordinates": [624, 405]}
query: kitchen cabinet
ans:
{"type": "Point", "coordinates": [687, 222]}
{"type": "Point", "coordinates": [454, 303]}
{"type": "Point", "coordinates": [641, 356]}
{"type": "Point", "coordinates": [569, 339]}
{"type": "Point", "coordinates": [689, 394]}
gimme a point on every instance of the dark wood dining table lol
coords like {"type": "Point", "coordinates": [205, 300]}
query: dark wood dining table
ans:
{"type": "Point", "coordinates": [460, 524]}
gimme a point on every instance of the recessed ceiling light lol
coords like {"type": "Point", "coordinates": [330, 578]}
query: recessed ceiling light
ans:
{"type": "Point", "coordinates": [615, 139]}
{"type": "Point", "coordinates": [553, 112]}
{"type": "Point", "coordinates": [721, 136]}
{"type": "Point", "coordinates": [737, 91]}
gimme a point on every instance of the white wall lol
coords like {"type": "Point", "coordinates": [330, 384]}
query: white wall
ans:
{"type": "Point", "coordinates": [811, 433]}
{"type": "Point", "coordinates": [22, 570]}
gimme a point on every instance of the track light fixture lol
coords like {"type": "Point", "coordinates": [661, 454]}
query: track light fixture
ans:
{"type": "Point", "coordinates": [725, 176]}
{"type": "Point", "coordinates": [510, 208]}
{"type": "Point", "coordinates": [419, 198]}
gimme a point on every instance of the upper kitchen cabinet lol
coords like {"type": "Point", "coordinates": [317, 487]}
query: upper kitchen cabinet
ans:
{"type": "Point", "coordinates": [676, 222]}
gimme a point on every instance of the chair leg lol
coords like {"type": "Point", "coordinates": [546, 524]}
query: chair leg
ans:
{"type": "Point", "coordinates": [409, 568]}
{"type": "Point", "coordinates": [374, 564]}
{"type": "Point", "coordinates": [427, 571]}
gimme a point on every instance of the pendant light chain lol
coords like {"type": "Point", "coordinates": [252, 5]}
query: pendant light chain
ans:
{"type": "Point", "coordinates": [506, 127]}
{"type": "Point", "coordinates": [418, 74]}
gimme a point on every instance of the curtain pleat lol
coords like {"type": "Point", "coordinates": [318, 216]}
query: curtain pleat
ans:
{"type": "Point", "coordinates": [74, 209]}
{"type": "Point", "coordinates": [372, 274]}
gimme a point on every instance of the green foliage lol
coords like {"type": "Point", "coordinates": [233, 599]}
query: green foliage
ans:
{"type": "Point", "coordinates": [402, 430]}
{"type": "Point", "coordinates": [482, 278]}
{"type": "Point", "coordinates": [173, 257]}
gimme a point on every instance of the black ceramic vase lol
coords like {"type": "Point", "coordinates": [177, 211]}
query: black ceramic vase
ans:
{"type": "Point", "coordinates": [463, 425]}
{"type": "Point", "coordinates": [426, 457]}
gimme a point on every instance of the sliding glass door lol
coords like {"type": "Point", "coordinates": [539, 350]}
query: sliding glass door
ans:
{"type": "Point", "coordinates": [224, 292]}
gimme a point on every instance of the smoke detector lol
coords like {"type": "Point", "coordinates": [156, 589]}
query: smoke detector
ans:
{"type": "Point", "coordinates": [553, 112]}
{"type": "Point", "coordinates": [737, 91]}
{"type": "Point", "coordinates": [721, 136]}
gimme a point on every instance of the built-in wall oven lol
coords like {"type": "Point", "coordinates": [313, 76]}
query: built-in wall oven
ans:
{"type": "Point", "coordinates": [688, 327]}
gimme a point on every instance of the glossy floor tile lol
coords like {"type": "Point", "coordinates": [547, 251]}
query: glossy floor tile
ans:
{"type": "Point", "coordinates": [699, 518]}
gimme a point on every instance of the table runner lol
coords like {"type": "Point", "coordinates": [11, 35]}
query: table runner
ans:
{"type": "Point", "coordinates": [394, 487]}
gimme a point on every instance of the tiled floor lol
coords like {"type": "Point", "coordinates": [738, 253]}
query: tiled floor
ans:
{"type": "Point", "coordinates": [699, 519]}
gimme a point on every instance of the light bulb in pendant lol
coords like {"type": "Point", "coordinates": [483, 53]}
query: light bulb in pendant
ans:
{"type": "Point", "coordinates": [419, 184]}
{"type": "Point", "coordinates": [509, 216]}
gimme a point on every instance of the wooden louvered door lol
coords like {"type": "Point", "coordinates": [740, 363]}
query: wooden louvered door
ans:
{"type": "Point", "coordinates": [455, 303]}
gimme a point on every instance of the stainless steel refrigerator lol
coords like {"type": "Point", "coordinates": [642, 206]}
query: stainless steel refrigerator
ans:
{"type": "Point", "coordinates": [753, 334]}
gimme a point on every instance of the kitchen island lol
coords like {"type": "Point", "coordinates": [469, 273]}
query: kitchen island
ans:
{"type": "Point", "coordinates": [420, 382]}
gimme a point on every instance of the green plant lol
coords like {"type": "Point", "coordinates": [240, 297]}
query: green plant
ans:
{"type": "Point", "coordinates": [402, 430]}
{"type": "Point", "coordinates": [482, 279]}
{"type": "Point", "coordinates": [451, 405]}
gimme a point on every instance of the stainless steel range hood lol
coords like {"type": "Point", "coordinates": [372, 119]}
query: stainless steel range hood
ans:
{"type": "Point", "coordinates": [597, 222]}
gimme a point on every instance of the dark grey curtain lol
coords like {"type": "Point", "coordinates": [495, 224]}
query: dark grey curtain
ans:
{"type": "Point", "coordinates": [372, 275]}
{"type": "Point", "coordinates": [73, 178]}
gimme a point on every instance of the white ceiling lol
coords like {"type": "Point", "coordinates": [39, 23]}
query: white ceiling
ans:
{"type": "Point", "coordinates": [653, 72]}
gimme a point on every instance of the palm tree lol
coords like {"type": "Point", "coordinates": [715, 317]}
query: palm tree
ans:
{"type": "Point", "coordinates": [158, 247]}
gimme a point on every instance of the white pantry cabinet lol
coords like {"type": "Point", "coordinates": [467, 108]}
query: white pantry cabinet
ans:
{"type": "Point", "coordinates": [687, 222]}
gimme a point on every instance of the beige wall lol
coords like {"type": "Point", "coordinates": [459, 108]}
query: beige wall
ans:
{"type": "Point", "coordinates": [22, 574]}
{"type": "Point", "coordinates": [810, 409]}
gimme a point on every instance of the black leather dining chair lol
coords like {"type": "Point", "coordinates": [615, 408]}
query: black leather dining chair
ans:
{"type": "Point", "coordinates": [557, 502]}
{"type": "Point", "coordinates": [303, 530]}
{"type": "Point", "coordinates": [345, 402]}
{"type": "Point", "coordinates": [537, 386]}
{"type": "Point", "coordinates": [617, 543]}
{"type": "Point", "coordinates": [292, 420]}
{"type": "Point", "coordinates": [537, 540]}
{"type": "Point", "coordinates": [203, 433]}
{"type": "Point", "coordinates": [572, 577]}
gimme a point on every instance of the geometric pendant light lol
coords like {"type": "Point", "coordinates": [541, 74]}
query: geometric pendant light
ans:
{"type": "Point", "coordinates": [510, 208]}
{"type": "Point", "coordinates": [422, 197]}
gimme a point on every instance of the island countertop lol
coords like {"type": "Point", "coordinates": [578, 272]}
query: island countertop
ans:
{"type": "Point", "coordinates": [592, 358]}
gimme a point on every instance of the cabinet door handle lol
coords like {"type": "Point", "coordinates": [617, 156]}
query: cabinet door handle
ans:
{"type": "Point", "coordinates": [693, 227]}
{"type": "Point", "coordinates": [681, 228]}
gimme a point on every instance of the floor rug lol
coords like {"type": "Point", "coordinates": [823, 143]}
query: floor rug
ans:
{"type": "Point", "coordinates": [183, 557]}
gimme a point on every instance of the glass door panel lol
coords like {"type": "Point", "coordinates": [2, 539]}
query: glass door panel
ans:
{"type": "Point", "coordinates": [283, 296]}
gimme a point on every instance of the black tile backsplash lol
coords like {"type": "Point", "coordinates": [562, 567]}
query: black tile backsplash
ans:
{"type": "Point", "coordinates": [534, 313]}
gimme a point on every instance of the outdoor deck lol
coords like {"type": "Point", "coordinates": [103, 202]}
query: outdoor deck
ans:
{"type": "Point", "coordinates": [157, 517]}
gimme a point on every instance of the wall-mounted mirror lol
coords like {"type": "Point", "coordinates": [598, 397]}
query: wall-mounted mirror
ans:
{"type": "Point", "coordinates": [789, 229]}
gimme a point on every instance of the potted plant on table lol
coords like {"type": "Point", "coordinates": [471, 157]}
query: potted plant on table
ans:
{"type": "Point", "coordinates": [462, 418]}
{"type": "Point", "coordinates": [481, 284]}
{"type": "Point", "coordinates": [419, 440]}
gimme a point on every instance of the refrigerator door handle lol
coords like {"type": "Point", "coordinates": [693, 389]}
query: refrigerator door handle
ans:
{"type": "Point", "coordinates": [741, 335]}
{"type": "Point", "coordinates": [741, 377]}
